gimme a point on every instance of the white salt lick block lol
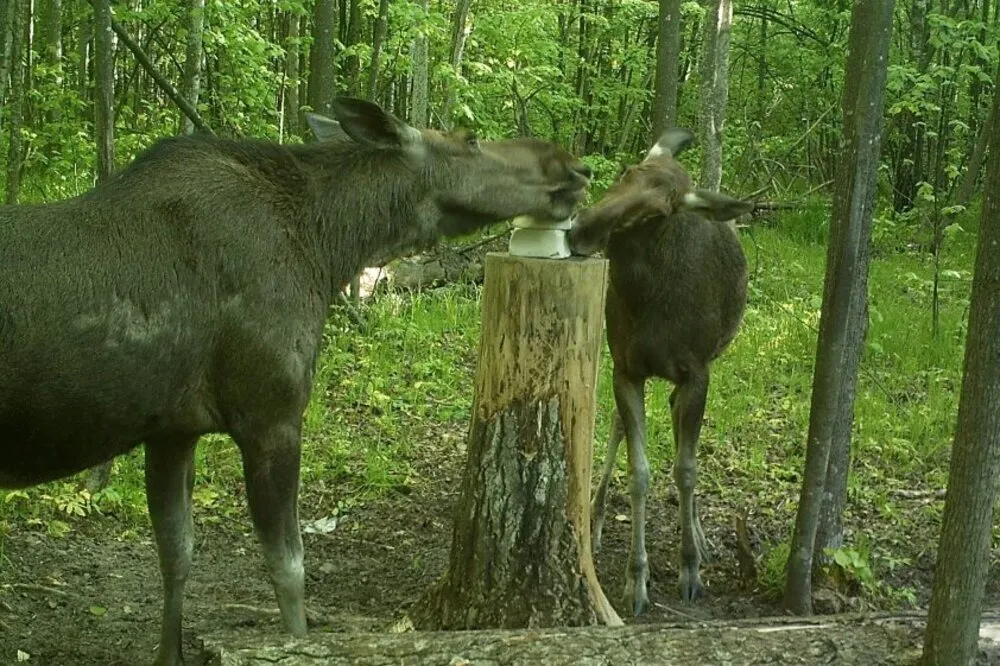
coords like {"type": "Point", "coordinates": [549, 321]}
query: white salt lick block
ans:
{"type": "Point", "coordinates": [544, 243]}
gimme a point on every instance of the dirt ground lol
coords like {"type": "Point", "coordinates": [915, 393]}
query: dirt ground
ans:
{"type": "Point", "coordinates": [94, 597]}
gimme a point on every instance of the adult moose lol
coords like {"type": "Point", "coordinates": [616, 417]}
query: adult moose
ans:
{"type": "Point", "coordinates": [188, 296]}
{"type": "Point", "coordinates": [676, 293]}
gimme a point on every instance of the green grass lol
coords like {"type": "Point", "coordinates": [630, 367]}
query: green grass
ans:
{"type": "Point", "coordinates": [403, 389]}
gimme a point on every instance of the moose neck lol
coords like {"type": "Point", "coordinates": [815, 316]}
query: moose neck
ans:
{"type": "Point", "coordinates": [369, 206]}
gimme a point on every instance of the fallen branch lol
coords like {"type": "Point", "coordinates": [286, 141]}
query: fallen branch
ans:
{"type": "Point", "coordinates": [894, 638]}
{"type": "Point", "coordinates": [165, 85]}
{"type": "Point", "coordinates": [905, 493]}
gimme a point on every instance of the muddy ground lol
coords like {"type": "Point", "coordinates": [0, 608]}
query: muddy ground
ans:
{"type": "Point", "coordinates": [93, 597]}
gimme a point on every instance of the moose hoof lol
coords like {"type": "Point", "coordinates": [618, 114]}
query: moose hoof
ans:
{"type": "Point", "coordinates": [690, 586]}
{"type": "Point", "coordinates": [636, 594]}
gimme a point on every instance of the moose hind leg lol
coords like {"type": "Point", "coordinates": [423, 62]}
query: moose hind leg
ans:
{"type": "Point", "coordinates": [169, 482]}
{"type": "Point", "coordinates": [600, 498]}
{"type": "Point", "coordinates": [630, 399]}
{"type": "Point", "coordinates": [271, 466]}
{"type": "Point", "coordinates": [687, 410]}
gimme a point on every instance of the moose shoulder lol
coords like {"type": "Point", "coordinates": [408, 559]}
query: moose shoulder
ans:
{"type": "Point", "coordinates": [188, 295]}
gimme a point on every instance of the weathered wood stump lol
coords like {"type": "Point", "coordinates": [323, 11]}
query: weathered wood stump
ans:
{"type": "Point", "coordinates": [521, 551]}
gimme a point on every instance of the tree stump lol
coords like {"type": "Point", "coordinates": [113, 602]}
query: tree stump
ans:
{"type": "Point", "coordinates": [521, 550]}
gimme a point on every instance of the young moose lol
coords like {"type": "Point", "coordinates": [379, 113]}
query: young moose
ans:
{"type": "Point", "coordinates": [188, 296]}
{"type": "Point", "coordinates": [676, 295]}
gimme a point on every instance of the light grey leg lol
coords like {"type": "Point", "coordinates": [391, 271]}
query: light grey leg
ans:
{"type": "Point", "coordinates": [630, 398]}
{"type": "Point", "coordinates": [687, 410]}
{"type": "Point", "coordinates": [271, 467]}
{"type": "Point", "coordinates": [600, 499]}
{"type": "Point", "coordinates": [169, 482]}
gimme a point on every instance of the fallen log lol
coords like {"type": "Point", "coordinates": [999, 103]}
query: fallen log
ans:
{"type": "Point", "coordinates": [869, 639]}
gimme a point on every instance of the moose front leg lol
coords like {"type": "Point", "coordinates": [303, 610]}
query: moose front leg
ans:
{"type": "Point", "coordinates": [687, 406]}
{"type": "Point", "coordinates": [630, 400]}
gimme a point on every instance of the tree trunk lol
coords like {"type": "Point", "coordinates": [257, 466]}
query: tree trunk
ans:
{"type": "Point", "coordinates": [668, 53]}
{"type": "Point", "coordinates": [7, 12]}
{"type": "Point", "coordinates": [714, 90]}
{"type": "Point", "coordinates": [521, 552]}
{"type": "Point", "coordinates": [291, 100]}
{"type": "Point", "coordinates": [845, 289]}
{"type": "Point", "coordinates": [421, 66]}
{"type": "Point", "coordinates": [84, 46]}
{"type": "Point", "coordinates": [459, 33]}
{"type": "Point", "coordinates": [15, 98]}
{"type": "Point", "coordinates": [352, 69]}
{"type": "Point", "coordinates": [322, 82]}
{"type": "Point", "coordinates": [104, 89]}
{"type": "Point", "coordinates": [966, 526]}
{"type": "Point", "coordinates": [378, 38]}
{"type": "Point", "coordinates": [192, 60]}
{"type": "Point", "coordinates": [971, 175]}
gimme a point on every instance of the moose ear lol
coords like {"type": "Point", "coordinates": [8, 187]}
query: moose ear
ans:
{"type": "Point", "coordinates": [717, 206]}
{"type": "Point", "coordinates": [367, 123]}
{"type": "Point", "coordinates": [671, 143]}
{"type": "Point", "coordinates": [326, 129]}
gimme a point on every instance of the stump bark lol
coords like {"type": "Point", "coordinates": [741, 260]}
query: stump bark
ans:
{"type": "Point", "coordinates": [521, 551]}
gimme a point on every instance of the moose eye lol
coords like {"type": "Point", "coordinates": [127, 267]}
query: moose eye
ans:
{"type": "Point", "coordinates": [472, 141]}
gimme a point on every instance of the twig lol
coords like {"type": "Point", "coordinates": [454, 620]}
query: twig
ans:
{"type": "Point", "coordinates": [675, 611]}
{"type": "Point", "coordinates": [907, 493]}
{"type": "Point", "coordinates": [34, 587]}
{"type": "Point", "coordinates": [484, 241]}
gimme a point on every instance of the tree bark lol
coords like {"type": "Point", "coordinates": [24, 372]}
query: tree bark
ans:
{"type": "Point", "coordinates": [322, 81]}
{"type": "Point", "coordinates": [459, 33]}
{"type": "Point", "coordinates": [714, 90]}
{"type": "Point", "coordinates": [7, 12]}
{"type": "Point", "coordinates": [378, 38]}
{"type": "Point", "coordinates": [352, 67]}
{"type": "Point", "coordinates": [15, 99]}
{"type": "Point", "coordinates": [291, 91]}
{"type": "Point", "coordinates": [668, 53]}
{"type": "Point", "coordinates": [966, 526]}
{"type": "Point", "coordinates": [845, 289]}
{"type": "Point", "coordinates": [104, 75]}
{"type": "Point", "coordinates": [521, 551]}
{"type": "Point", "coordinates": [968, 185]}
{"type": "Point", "coordinates": [421, 66]}
{"type": "Point", "coordinates": [192, 60]}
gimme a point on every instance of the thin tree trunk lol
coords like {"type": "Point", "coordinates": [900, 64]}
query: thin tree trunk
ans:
{"type": "Point", "coordinates": [971, 176]}
{"type": "Point", "coordinates": [668, 53]}
{"type": "Point", "coordinates": [192, 60]}
{"type": "Point", "coordinates": [966, 526]}
{"type": "Point", "coordinates": [84, 47]}
{"type": "Point", "coordinates": [291, 91]}
{"type": "Point", "coordinates": [459, 33]}
{"type": "Point", "coordinates": [378, 39]}
{"type": "Point", "coordinates": [714, 90]}
{"type": "Point", "coordinates": [8, 11]}
{"type": "Point", "coordinates": [352, 69]}
{"type": "Point", "coordinates": [845, 288]}
{"type": "Point", "coordinates": [322, 83]}
{"type": "Point", "coordinates": [15, 99]}
{"type": "Point", "coordinates": [418, 92]}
